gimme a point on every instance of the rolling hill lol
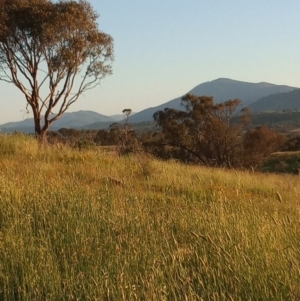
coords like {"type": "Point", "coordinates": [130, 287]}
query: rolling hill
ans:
{"type": "Point", "coordinates": [68, 120]}
{"type": "Point", "coordinates": [221, 89]}
{"type": "Point", "coordinates": [278, 102]}
{"type": "Point", "coordinates": [260, 97]}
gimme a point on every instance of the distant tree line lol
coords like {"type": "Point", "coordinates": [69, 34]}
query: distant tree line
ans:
{"type": "Point", "coordinates": [205, 133]}
{"type": "Point", "coordinates": [202, 133]}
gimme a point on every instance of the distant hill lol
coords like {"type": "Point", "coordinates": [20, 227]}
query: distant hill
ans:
{"type": "Point", "coordinates": [98, 125]}
{"type": "Point", "coordinates": [120, 117]}
{"type": "Point", "coordinates": [221, 89]}
{"type": "Point", "coordinates": [68, 120]}
{"type": "Point", "coordinates": [278, 102]}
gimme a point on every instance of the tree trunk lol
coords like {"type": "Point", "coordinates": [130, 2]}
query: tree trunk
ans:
{"type": "Point", "coordinates": [42, 137]}
{"type": "Point", "coordinates": [40, 133]}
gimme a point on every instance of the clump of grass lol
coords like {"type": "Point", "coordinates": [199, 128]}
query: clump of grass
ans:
{"type": "Point", "coordinates": [169, 232]}
{"type": "Point", "coordinates": [147, 165]}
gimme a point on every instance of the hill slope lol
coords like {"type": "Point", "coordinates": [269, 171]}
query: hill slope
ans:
{"type": "Point", "coordinates": [222, 89]}
{"type": "Point", "coordinates": [68, 120]}
{"type": "Point", "coordinates": [88, 225]}
{"type": "Point", "coordinates": [278, 102]}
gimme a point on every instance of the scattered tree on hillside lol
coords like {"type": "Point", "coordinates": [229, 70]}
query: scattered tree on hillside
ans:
{"type": "Point", "coordinates": [53, 52]}
{"type": "Point", "coordinates": [205, 133]}
{"type": "Point", "coordinates": [124, 135]}
{"type": "Point", "coordinates": [259, 143]}
{"type": "Point", "coordinates": [292, 145]}
{"type": "Point", "coordinates": [120, 135]}
{"type": "Point", "coordinates": [107, 137]}
{"type": "Point", "coordinates": [128, 140]}
{"type": "Point", "coordinates": [204, 130]}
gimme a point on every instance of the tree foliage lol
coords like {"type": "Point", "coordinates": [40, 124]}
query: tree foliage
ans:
{"type": "Point", "coordinates": [52, 52]}
{"type": "Point", "coordinates": [259, 143]}
{"type": "Point", "coordinates": [204, 132]}
{"type": "Point", "coordinates": [121, 135]}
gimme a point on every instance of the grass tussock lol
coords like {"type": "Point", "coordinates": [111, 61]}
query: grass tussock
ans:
{"type": "Point", "coordinates": [68, 231]}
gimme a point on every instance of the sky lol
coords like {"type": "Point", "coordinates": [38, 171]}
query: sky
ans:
{"type": "Point", "coordinates": [164, 48]}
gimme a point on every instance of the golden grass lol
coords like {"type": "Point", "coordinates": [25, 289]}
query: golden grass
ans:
{"type": "Point", "coordinates": [168, 232]}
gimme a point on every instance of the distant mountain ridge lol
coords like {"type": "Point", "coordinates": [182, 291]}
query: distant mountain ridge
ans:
{"type": "Point", "coordinates": [221, 89]}
{"type": "Point", "coordinates": [68, 120]}
{"type": "Point", "coordinates": [258, 96]}
{"type": "Point", "coordinates": [278, 102]}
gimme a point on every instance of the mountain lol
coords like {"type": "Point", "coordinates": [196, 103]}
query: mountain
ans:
{"type": "Point", "coordinates": [221, 89]}
{"type": "Point", "coordinates": [260, 96]}
{"type": "Point", "coordinates": [118, 117]}
{"type": "Point", "coordinates": [68, 120]}
{"type": "Point", "coordinates": [98, 125]}
{"type": "Point", "coordinates": [278, 102]}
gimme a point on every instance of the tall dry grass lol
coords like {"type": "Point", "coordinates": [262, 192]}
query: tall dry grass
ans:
{"type": "Point", "coordinates": [166, 232]}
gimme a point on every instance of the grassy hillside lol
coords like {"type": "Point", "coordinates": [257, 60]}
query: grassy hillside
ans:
{"type": "Point", "coordinates": [91, 226]}
{"type": "Point", "coordinates": [278, 102]}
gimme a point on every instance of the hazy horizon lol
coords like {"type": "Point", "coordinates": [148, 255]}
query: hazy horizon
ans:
{"type": "Point", "coordinates": [164, 49]}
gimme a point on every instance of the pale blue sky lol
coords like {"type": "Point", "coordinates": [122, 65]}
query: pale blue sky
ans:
{"type": "Point", "coordinates": [164, 48]}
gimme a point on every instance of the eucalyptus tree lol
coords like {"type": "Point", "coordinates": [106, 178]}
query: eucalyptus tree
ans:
{"type": "Point", "coordinates": [204, 131]}
{"type": "Point", "coordinates": [52, 51]}
{"type": "Point", "coordinates": [214, 134]}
